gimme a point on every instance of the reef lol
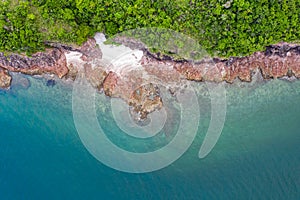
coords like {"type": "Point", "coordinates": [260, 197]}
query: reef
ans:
{"type": "Point", "coordinates": [138, 85]}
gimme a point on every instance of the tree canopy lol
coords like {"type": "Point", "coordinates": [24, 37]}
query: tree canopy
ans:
{"type": "Point", "coordinates": [223, 27]}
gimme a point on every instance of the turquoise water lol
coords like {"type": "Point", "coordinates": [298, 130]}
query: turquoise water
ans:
{"type": "Point", "coordinates": [256, 157]}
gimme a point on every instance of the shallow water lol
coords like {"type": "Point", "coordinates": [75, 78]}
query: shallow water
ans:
{"type": "Point", "coordinates": [256, 157]}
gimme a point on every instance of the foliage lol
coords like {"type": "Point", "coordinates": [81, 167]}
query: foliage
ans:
{"type": "Point", "coordinates": [18, 28]}
{"type": "Point", "coordinates": [223, 27]}
{"type": "Point", "coordinates": [165, 42]}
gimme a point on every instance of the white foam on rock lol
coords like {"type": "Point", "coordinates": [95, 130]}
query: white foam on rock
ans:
{"type": "Point", "coordinates": [73, 57]}
{"type": "Point", "coordinates": [121, 59]}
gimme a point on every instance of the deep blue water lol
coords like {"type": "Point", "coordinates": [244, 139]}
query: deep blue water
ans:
{"type": "Point", "coordinates": [256, 157]}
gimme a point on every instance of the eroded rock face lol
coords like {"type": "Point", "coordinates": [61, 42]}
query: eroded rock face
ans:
{"type": "Point", "coordinates": [277, 61]}
{"type": "Point", "coordinates": [52, 61]}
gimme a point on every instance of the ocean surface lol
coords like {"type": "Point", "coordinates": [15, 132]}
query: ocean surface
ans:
{"type": "Point", "coordinates": [256, 157]}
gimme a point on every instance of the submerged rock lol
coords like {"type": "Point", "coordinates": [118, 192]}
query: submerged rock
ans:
{"type": "Point", "coordinates": [50, 83]}
{"type": "Point", "coordinates": [19, 81]}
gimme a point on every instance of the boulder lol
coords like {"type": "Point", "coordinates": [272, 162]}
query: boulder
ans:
{"type": "Point", "coordinates": [5, 79]}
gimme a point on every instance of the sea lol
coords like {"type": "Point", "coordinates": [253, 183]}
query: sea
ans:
{"type": "Point", "coordinates": [257, 155]}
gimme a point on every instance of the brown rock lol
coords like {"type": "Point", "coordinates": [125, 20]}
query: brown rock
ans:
{"type": "Point", "coordinates": [95, 76]}
{"type": "Point", "coordinates": [5, 79]}
{"type": "Point", "coordinates": [110, 83]}
{"type": "Point", "coordinates": [52, 61]}
{"type": "Point", "coordinates": [90, 50]}
{"type": "Point", "coordinates": [145, 100]}
{"type": "Point", "coordinates": [277, 61]}
{"type": "Point", "coordinates": [73, 71]}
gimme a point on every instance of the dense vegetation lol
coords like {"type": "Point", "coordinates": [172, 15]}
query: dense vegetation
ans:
{"type": "Point", "coordinates": [228, 28]}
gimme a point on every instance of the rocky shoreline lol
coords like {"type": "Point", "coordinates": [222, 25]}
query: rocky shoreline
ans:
{"type": "Point", "coordinates": [138, 84]}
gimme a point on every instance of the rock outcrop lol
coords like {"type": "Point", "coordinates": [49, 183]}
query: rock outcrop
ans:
{"type": "Point", "coordinates": [52, 61]}
{"type": "Point", "coordinates": [138, 85]}
{"type": "Point", "coordinates": [5, 79]}
{"type": "Point", "coordinates": [277, 61]}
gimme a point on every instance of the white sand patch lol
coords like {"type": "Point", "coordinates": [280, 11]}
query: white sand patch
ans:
{"type": "Point", "coordinates": [73, 58]}
{"type": "Point", "coordinates": [121, 59]}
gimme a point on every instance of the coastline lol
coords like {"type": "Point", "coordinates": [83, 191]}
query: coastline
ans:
{"type": "Point", "coordinates": [131, 72]}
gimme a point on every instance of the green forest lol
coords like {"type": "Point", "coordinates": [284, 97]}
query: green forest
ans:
{"type": "Point", "coordinates": [223, 27]}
